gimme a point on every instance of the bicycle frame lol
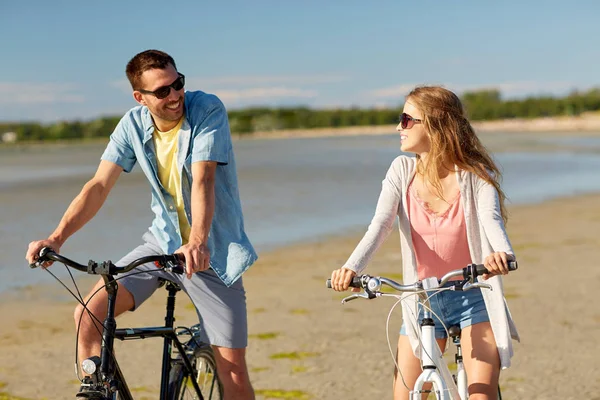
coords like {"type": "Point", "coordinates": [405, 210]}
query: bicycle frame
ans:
{"type": "Point", "coordinates": [110, 371]}
{"type": "Point", "coordinates": [436, 373]}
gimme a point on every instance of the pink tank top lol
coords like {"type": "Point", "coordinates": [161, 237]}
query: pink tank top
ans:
{"type": "Point", "coordinates": [439, 240]}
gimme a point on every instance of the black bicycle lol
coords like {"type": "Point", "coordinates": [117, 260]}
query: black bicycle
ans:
{"type": "Point", "coordinates": [190, 372]}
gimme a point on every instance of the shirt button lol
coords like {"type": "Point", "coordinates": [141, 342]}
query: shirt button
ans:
{"type": "Point", "coordinates": [170, 207]}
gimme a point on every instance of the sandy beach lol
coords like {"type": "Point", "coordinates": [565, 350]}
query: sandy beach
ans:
{"type": "Point", "coordinates": [305, 345]}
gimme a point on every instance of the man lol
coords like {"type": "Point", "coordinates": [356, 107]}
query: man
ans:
{"type": "Point", "coordinates": [183, 144]}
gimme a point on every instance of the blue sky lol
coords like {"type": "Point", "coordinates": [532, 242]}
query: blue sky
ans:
{"type": "Point", "coordinates": [66, 59]}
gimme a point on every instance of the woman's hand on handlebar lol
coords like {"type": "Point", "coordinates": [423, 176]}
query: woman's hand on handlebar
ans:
{"type": "Point", "coordinates": [497, 263]}
{"type": "Point", "coordinates": [341, 278]}
{"type": "Point", "coordinates": [34, 248]}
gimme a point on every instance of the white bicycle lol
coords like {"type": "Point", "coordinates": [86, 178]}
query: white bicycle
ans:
{"type": "Point", "coordinates": [445, 385]}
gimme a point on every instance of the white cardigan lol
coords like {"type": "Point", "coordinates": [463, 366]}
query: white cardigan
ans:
{"type": "Point", "coordinates": [485, 234]}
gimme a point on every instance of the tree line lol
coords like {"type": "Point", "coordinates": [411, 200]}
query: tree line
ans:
{"type": "Point", "coordinates": [480, 105]}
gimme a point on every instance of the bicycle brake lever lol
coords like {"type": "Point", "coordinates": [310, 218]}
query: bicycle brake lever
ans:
{"type": "Point", "coordinates": [363, 295]}
{"type": "Point", "coordinates": [468, 286]}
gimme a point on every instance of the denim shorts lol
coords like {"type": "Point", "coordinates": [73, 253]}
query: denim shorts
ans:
{"type": "Point", "coordinates": [455, 308]}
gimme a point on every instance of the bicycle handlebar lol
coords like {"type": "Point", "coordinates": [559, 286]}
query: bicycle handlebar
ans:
{"type": "Point", "coordinates": [469, 273]}
{"type": "Point", "coordinates": [170, 262]}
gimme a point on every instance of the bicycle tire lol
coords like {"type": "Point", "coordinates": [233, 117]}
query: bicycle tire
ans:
{"type": "Point", "coordinates": [205, 372]}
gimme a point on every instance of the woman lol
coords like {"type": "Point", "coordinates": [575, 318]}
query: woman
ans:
{"type": "Point", "coordinates": [451, 213]}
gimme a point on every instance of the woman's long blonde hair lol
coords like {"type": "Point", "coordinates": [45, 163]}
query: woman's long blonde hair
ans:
{"type": "Point", "coordinates": [453, 140]}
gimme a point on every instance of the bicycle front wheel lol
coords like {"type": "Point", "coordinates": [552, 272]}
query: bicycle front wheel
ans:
{"type": "Point", "coordinates": [204, 373]}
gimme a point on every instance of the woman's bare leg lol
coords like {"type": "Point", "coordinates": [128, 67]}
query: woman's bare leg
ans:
{"type": "Point", "coordinates": [410, 367]}
{"type": "Point", "coordinates": [481, 360]}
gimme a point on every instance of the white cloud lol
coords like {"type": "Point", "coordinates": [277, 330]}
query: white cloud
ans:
{"type": "Point", "coordinates": [507, 89]}
{"type": "Point", "coordinates": [217, 84]}
{"type": "Point", "coordinates": [123, 85]}
{"type": "Point", "coordinates": [38, 93]}
{"type": "Point", "coordinates": [264, 93]}
{"type": "Point", "coordinates": [271, 90]}
{"type": "Point", "coordinates": [251, 80]}
{"type": "Point", "coordinates": [393, 91]}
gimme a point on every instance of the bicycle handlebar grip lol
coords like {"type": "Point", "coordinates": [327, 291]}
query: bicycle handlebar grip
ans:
{"type": "Point", "coordinates": [354, 283]}
{"type": "Point", "coordinates": [41, 254]}
{"type": "Point", "coordinates": [512, 266]}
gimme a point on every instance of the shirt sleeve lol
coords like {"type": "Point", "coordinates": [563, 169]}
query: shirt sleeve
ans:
{"type": "Point", "coordinates": [119, 149]}
{"type": "Point", "coordinates": [382, 223]}
{"type": "Point", "coordinates": [211, 137]}
{"type": "Point", "coordinates": [490, 217]}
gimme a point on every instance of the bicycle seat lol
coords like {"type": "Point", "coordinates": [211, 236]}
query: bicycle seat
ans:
{"type": "Point", "coordinates": [454, 331]}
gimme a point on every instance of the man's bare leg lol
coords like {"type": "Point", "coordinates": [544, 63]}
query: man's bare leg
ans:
{"type": "Point", "coordinates": [90, 331]}
{"type": "Point", "coordinates": [233, 373]}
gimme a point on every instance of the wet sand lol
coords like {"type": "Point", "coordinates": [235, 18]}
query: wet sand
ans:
{"type": "Point", "coordinates": [305, 345]}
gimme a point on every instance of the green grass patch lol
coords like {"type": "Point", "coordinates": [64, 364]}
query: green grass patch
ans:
{"type": "Point", "coordinates": [260, 369]}
{"type": "Point", "coordinates": [265, 335]}
{"type": "Point", "coordinates": [387, 289]}
{"type": "Point", "coordinates": [294, 355]}
{"type": "Point", "coordinates": [141, 389]}
{"type": "Point", "coordinates": [282, 394]}
{"type": "Point", "coordinates": [299, 311]}
{"type": "Point", "coordinates": [509, 294]}
{"type": "Point", "coordinates": [393, 276]}
{"type": "Point", "coordinates": [566, 323]}
{"type": "Point", "coordinates": [258, 310]}
{"type": "Point", "coordinates": [8, 396]}
{"type": "Point", "coordinates": [299, 369]}
{"type": "Point", "coordinates": [190, 306]}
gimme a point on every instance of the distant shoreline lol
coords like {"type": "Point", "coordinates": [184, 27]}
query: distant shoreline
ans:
{"type": "Point", "coordinates": [584, 125]}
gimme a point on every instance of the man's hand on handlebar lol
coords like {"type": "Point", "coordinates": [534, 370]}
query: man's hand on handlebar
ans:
{"type": "Point", "coordinates": [341, 278]}
{"type": "Point", "coordinates": [34, 248]}
{"type": "Point", "coordinates": [197, 258]}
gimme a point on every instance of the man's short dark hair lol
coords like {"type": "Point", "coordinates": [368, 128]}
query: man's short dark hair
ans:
{"type": "Point", "coordinates": [142, 62]}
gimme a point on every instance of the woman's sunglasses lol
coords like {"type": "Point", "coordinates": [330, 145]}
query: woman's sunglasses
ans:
{"type": "Point", "coordinates": [407, 122]}
{"type": "Point", "coordinates": [163, 91]}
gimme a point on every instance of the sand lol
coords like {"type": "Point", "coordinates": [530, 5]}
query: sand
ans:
{"type": "Point", "coordinates": [305, 345]}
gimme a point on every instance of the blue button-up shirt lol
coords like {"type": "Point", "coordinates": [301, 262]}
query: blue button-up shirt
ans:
{"type": "Point", "coordinates": [204, 136]}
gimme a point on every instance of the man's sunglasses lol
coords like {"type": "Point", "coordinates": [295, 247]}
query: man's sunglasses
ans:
{"type": "Point", "coordinates": [164, 91]}
{"type": "Point", "coordinates": [407, 122]}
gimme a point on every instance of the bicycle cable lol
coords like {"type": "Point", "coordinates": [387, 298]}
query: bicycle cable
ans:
{"type": "Point", "coordinates": [83, 303]}
{"type": "Point", "coordinates": [400, 300]}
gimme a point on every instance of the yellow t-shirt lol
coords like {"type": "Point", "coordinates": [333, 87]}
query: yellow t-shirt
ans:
{"type": "Point", "coordinates": [166, 147]}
